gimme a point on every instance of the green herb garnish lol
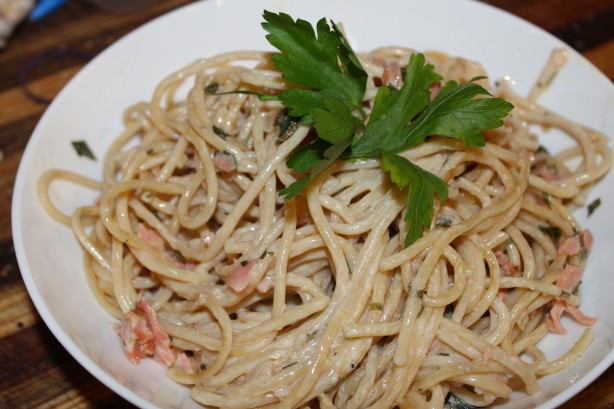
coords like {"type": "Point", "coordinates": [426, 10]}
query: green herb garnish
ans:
{"type": "Point", "coordinates": [455, 402]}
{"type": "Point", "coordinates": [265, 253]}
{"type": "Point", "coordinates": [289, 365]}
{"type": "Point", "coordinates": [576, 290]}
{"type": "Point", "coordinates": [286, 123]}
{"type": "Point", "coordinates": [220, 132]}
{"type": "Point", "coordinates": [330, 85]}
{"type": "Point", "coordinates": [449, 311]}
{"type": "Point", "coordinates": [553, 232]}
{"type": "Point", "coordinates": [593, 206]}
{"type": "Point", "coordinates": [212, 88]}
{"type": "Point", "coordinates": [83, 149]}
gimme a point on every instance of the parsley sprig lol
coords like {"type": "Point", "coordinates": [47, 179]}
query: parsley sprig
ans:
{"type": "Point", "coordinates": [330, 83]}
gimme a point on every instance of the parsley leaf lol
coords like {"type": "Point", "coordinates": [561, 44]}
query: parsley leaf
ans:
{"type": "Point", "coordinates": [307, 156]}
{"type": "Point", "coordinates": [330, 86]}
{"type": "Point", "coordinates": [336, 122]}
{"type": "Point", "coordinates": [422, 185]}
{"type": "Point", "coordinates": [329, 156]}
{"type": "Point", "coordinates": [409, 117]}
{"type": "Point", "coordinates": [455, 114]}
{"type": "Point", "coordinates": [394, 109]}
{"type": "Point", "coordinates": [324, 63]}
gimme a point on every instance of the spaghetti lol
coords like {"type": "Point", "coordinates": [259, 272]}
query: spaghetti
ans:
{"type": "Point", "coordinates": [252, 300]}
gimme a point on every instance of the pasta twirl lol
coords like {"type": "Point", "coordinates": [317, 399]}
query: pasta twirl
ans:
{"type": "Point", "coordinates": [252, 300]}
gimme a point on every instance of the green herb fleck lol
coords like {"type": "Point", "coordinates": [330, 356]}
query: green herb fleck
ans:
{"type": "Point", "coordinates": [287, 124]}
{"type": "Point", "coordinates": [83, 149]}
{"type": "Point", "coordinates": [553, 232]}
{"type": "Point", "coordinates": [178, 256]}
{"type": "Point", "coordinates": [576, 290]}
{"type": "Point", "coordinates": [376, 306]}
{"type": "Point", "coordinates": [444, 221]}
{"type": "Point", "coordinates": [312, 335]}
{"type": "Point", "coordinates": [593, 206]}
{"type": "Point", "coordinates": [289, 365]}
{"type": "Point", "coordinates": [220, 132]}
{"type": "Point", "coordinates": [449, 311]}
{"type": "Point", "coordinates": [244, 263]}
{"type": "Point", "coordinates": [212, 88]}
{"type": "Point", "coordinates": [455, 402]}
{"type": "Point", "coordinates": [265, 253]}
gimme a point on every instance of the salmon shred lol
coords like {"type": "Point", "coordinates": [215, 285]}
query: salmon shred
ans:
{"type": "Point", "coordinates": [506, 265]}
{"type": "Point", "coordinates": [150, 237]}
{"type": "Point", "coordinates": [142, 335]}
{"type": "Point", "coordinates": [573, 245]}
{"type": "Point", "coordinates": [225, 162]}
{"type": "Point", "coordinates": [568, 280]}
{"type": "Point", "coordinates": [558, 308]}
{"type": "Point", "coordinates": [547, 173]}
{"type": "Point", "coordinates": [393, 76]}
{"type": "Point", "coordinates": [265, 285]}
{"type": "Point", "coordinates": [137, 338]}
{"type": "Point", "coordinates": [487, 355]}
{"type": "Point", "coordinates": [241, 275]}
{"type": "Point", "coordinates": [184, 363]}
{"type": "Point", "coordinates": [153, 238]}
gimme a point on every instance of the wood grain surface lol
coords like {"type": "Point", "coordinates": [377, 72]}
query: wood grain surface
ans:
{"type": "Point", "coordinates": [35, 370]}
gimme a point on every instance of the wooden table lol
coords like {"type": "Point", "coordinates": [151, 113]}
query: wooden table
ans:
{"type": "Point", "coordinates": [35, 371]}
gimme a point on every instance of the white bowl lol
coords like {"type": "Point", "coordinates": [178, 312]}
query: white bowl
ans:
{"type": "Point", "coordinates": [90, 108]}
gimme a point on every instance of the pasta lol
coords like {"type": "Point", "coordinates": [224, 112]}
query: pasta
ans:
{"type": "Point", "coordinates": [252, 300]}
